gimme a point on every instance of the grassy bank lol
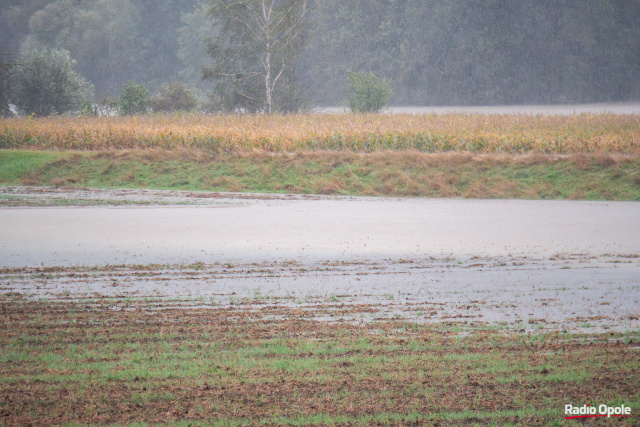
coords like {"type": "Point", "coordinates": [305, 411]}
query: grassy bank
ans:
{"type": "Point", "coordinates": [110, 361]}
{"type": "Point", "coordinates": [406, 173]}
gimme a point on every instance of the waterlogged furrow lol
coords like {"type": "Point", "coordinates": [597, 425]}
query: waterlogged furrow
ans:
{"type": "Point", "coordinates": [69, 362]}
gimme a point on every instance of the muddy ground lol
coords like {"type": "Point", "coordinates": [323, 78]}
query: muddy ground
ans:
{"type": "Point", "coordinates": [138, 307]}
{"type": "Point", "coordinates": [122, 363]}
{"type": "Point", "coordinates": [534, 264]}
{"type": "Point", "coordinates": [571, 293]}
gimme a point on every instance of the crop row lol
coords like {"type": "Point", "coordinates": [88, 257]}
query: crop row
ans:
{"type": "Point", "coordinates": [428, 133]}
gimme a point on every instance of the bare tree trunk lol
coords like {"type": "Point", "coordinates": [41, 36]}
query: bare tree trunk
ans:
{"type": "Point", "coordinates": [267, 79]}
{"type": "Point", "coordinates": [266, 14]}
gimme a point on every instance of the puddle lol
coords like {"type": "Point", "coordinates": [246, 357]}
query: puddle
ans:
{"type": "Point", "coordinates": [593, 295]}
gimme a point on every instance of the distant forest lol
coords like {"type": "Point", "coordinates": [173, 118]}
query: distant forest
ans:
{"type": "Point", "coordinates": [434, 52]}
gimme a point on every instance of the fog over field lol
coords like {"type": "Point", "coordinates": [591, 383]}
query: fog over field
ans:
{"type": "Point", "coordinates": [433, 53]}
{"type": "Point", "coordinates": [319, 212]}
{"type": "Point", "coordinates": [549, 109]}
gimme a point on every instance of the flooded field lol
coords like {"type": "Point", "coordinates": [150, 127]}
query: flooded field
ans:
{"type": "Point", "coordinates": [256, 228]}
{"type": "Point", "coordinates": [138, 306]}
{"type": "Point", "coordinates": [533, 264]}
{"type": "Point", "coordinates": [571, 292]}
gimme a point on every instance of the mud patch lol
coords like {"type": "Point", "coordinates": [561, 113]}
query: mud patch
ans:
{"type": "Point", "coordinates": [576, 293]}
{"type": "Point", "coordinates": [98, 363]}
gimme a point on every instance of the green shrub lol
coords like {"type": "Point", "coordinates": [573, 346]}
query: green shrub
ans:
{"type": "Point", "coordinates": [367, 93]}
{"type": "Point", "coordinates": [46, 83]}
{"type": "Point", "coordinates": [173, 97]}
{"type": "Point", "coordinates": [134, 99]}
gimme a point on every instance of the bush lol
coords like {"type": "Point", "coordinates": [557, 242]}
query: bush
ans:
{"type": "Point", "coordinates": [173, 97]}
{"type": "Point", "coordinates": [134, 99]}
{"type": "Point", "coordinates": [367, 93]}
{"type": "Point", "coordinates": [46, 83]}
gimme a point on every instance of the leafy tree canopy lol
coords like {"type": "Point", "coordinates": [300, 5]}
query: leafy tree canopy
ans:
{"type": "Point", "coordinates": [134, 99]}
{"type": "Point", "coordinates": [45, 82]}
{"type": "Point", "coordinates": [255, 50]}
{"type": "Point", "coordinates": [173, 97]}
{"type": "Point", "coordinates": [435, 52]}
{"type": "Point", "coordinates": [367, 93]}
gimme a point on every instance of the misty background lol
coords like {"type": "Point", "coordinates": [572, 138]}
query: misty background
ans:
{"type": "Point", "coordinates": [460, 52]}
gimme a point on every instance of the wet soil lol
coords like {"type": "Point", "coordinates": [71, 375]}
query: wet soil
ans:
{"type": "Point", "coordinates": [532, 264]}
{"type": "Point", "coordinates": [249, 309]}
{"type": "Point", "coordinates": [30, 196]}
{"type": "Point", "coordinates": [576, 293]}
{"type": "Point", "coordinates": [106, 362]}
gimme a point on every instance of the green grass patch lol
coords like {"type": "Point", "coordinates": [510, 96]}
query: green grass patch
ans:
{"type": "Point", "coordinates": [413, 174]}
{"type": "Point", "coordinates": [15, 165]}
{"type": "Point", "coordinates": [84, 364]}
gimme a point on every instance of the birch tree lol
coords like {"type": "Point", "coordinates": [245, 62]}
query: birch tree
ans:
{"type": "Point", "coordinates": [257, 43]}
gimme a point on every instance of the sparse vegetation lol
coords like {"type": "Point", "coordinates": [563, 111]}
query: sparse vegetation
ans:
{"type": "Point", "coordinates": [86, 363]}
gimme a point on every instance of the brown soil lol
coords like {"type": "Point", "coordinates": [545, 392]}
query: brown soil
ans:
{"type": "Point", "coordinates": [447, 373]}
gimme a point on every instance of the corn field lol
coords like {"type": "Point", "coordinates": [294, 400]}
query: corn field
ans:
{"type": "Point", "coordinates": [368, 132]}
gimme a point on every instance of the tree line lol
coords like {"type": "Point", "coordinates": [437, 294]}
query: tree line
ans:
{"type": "Point", "coordinates": [286, 55]}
